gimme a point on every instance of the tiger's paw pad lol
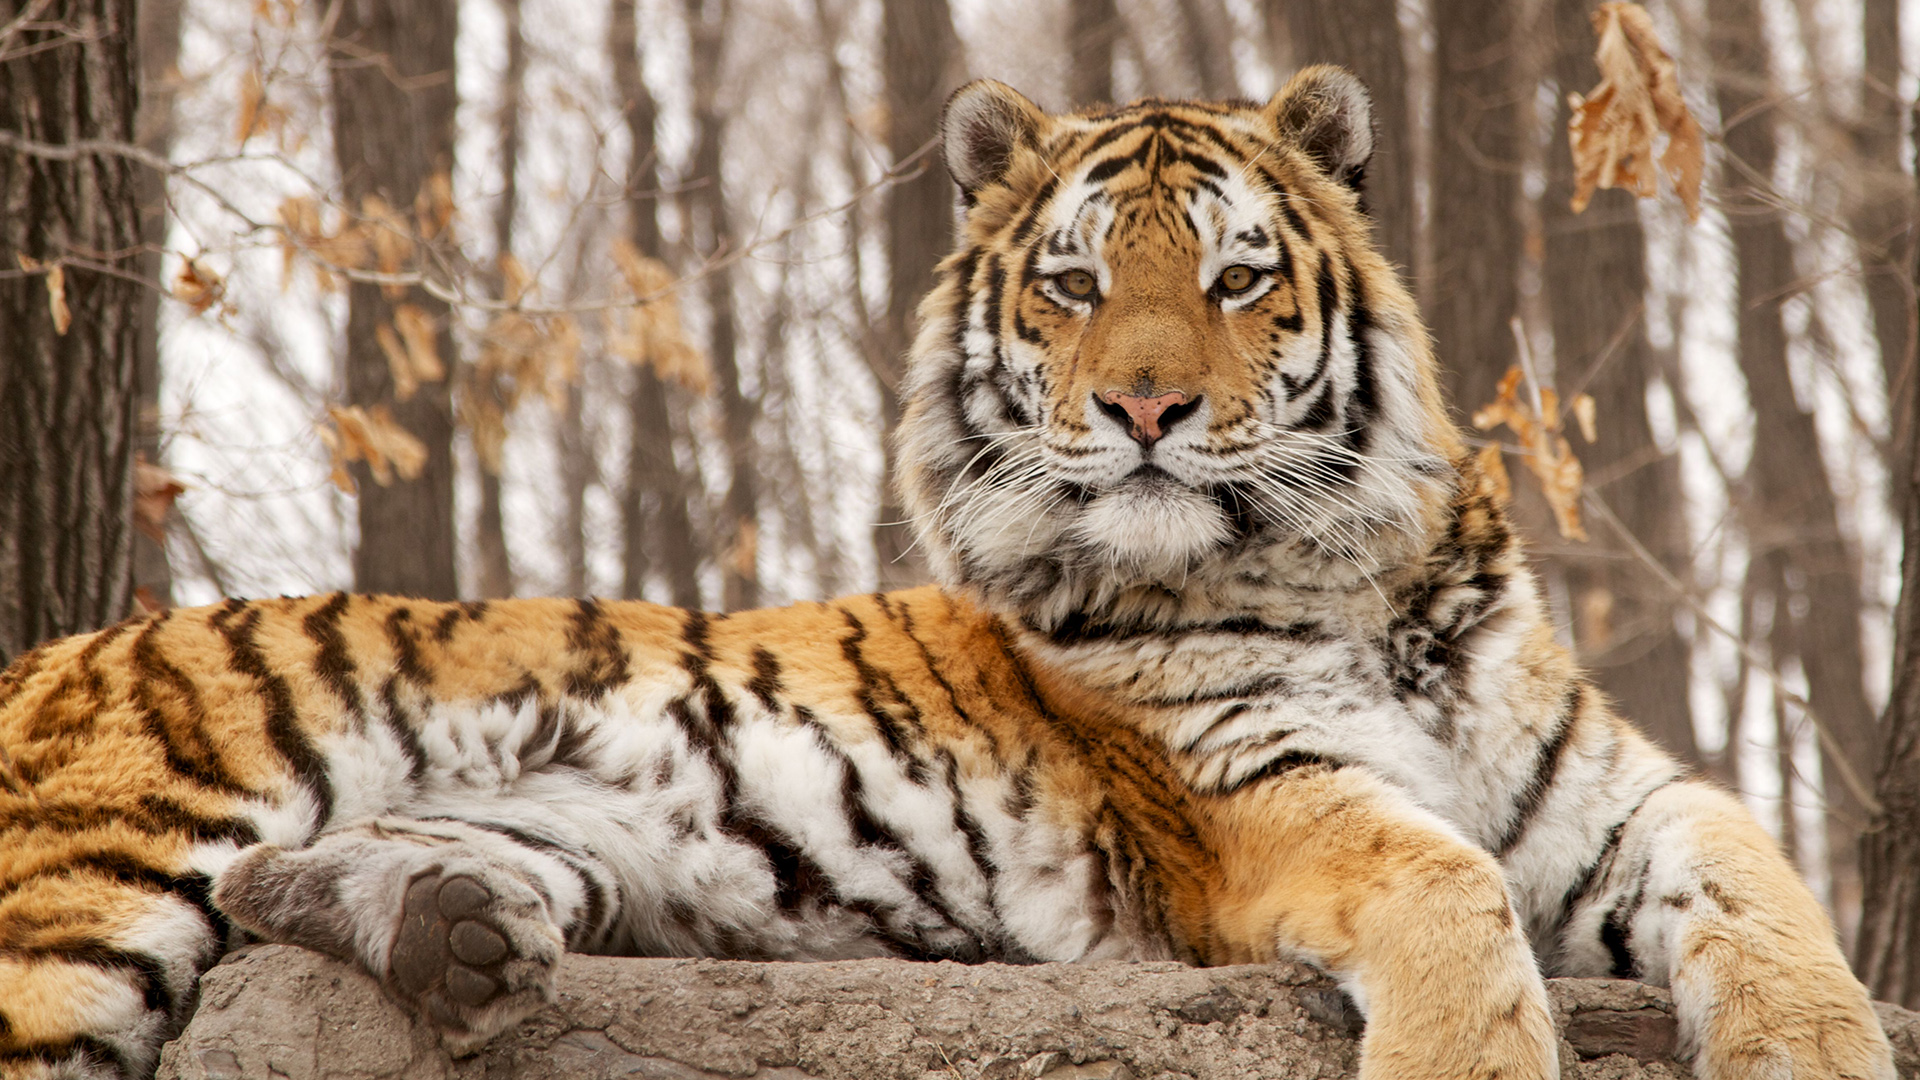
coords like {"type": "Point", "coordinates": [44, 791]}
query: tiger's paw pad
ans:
{"type": "Point", "coordinates": [475, 953]}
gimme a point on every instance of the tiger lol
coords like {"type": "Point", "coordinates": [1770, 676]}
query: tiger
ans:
{"type": "Point", "coordinates": [1232, 657]}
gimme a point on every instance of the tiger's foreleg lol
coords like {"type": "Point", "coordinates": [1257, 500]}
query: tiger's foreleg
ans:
{"type": "Point", "coordinates": [1697, 896]}
{"type": "Point", "coordinates": [462, 924]}
{"type": "Point", "coordinates": [1335, 867]}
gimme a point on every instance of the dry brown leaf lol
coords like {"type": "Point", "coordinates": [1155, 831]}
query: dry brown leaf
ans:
{"type": "Point", "coordinates": [433, 206]}
{"type": "Point", "coordinates": [1583, 414]}
{"type": "Point", "coordinates": [154, 490]}
{"type": "Point", "coordinates": [743, 554]}
{"type": "Point", "coordinates": [558, 356]}
{"type": "Point", "coordinates": [514, 278]}
{"type": "Point", "coordinates": [1612, 131]}
{"type": "Point", "coordinates": [1549, 455]}
{"type": "Point", "coordinates": [303, 229]}
{"type": "Point", "coordinates": [373, 436]}
{"type": "Point", "coordinates": [423, 349]}
{"type": "Point", "coordinates": [56, 279]}
{"type": "Point", "coordinates": [258, 115]}
{"type": "Point", "coordinates": [392, 242]}
{"type": "Point", "coordinates": [57, 299]}
{"type": "Point", "coordinates": [1596, 619]}
{"type": "Point", "coordinates": [398, 366]}
{"type": "Point", "coordinates": [650, 332]}
{"type": "Point", "coordinates": [198, 287]}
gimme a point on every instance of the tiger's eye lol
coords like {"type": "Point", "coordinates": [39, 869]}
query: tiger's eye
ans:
{"type": "Point", "coordinates": [1237, 279]}
{"type": "Point", "coordinates": [1076, 283]}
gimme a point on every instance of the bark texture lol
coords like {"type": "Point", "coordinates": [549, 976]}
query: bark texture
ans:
{"type": "Point", "coordinates": [1596, 282]}
{"type": "Point", "coordinates": [657, 530]}
{"type": "Point", "coordinates": [1093, 29]}
{"type": "Point", "coordinates": [159, 30]}
{"type": "Point", "coordinates": [489, 527]}
{"type": "Point", "coordinates": [67, 400]}
{"type": "Point", "coordinates": [393, 110]}
{"type": "Point", "coordinates": [1887, 946]}
{"type": "Point", "coordinates": [707, 22]}
{"type": "Point", "coordinates": [921, 59]}
{"type": "Point", "coordinates": [1882, 202]}
{"type": "Point", "coordinates": [279, 1012]}
{"type": "Point", "coordinates": [1790, 512]}
{"type": "Point", "coordinates": [1480, 124]}
{"type": "Point", "coordinates": [1364, 37]}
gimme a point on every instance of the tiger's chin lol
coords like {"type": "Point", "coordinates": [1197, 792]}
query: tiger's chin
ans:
{"type": "Point", "coordinates": [1153, 526]}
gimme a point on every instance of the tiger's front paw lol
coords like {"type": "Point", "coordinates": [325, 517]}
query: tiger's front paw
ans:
{"type": "Point", "coordinates": [1800, 1028]}
{"type": "Point", "coordinates": [475, 953]}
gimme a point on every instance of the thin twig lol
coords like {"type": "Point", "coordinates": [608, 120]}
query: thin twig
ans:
{"type": "Point", "coordinates": [1757, 662]}
{"type": "Point", "coordinates": [905, 169]}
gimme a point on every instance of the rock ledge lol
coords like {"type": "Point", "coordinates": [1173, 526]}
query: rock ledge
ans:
{"type": "Point", "coordinates": [280, 1013]}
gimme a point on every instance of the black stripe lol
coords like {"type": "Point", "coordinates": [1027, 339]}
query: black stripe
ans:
{"type": "Point", "coordinates": [1290, 762]}
{"type": "Point", "coordinates": [86, 1052]}
{"type": "Point", "coordinates": [1363, 402]}
{"type": "Point", "coordinates": [570, 749]}
{"type": "Point", "coordinates": [602, 654]}
{"type": "Point", "coordinates": [1577, 892]}
{"type": "Point", "coordinates": [155, 815]}
{"type": "Point", "coordinates": [465, 611]}
{"type": "Point", "coordinates": [873, 683]}
{"type": "Point", "coordinates": [17, 674]}
{"type": "Point", "coordinates": [1030, 221]}
{"type": "Point", "coordinates": [765, 683]}
{"type": "Point", "coordinates": [1112, 167]}
{"type": "Point", "coordinates": [149, 973]}
{"type": "Point", "coordinates": [283, 723]}
{"type": "Point", "coordinates": [1545, 768]}
{"type": "Point", "coordinates": [1614, 935]}
{"type": "Point", "coordinates": [331, 663]}
{"type": "Point", "coordinates": [198, 760]}
{"type": "Point", "coordinates": [978, 846]}
{"type": "Point", "coordinates": [953, 695]}
{"type": "Point", "coordinates": [408, 669]}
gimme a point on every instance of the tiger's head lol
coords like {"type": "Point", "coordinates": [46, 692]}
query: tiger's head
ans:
{"type": "Point", "coordinates": [1166, 361]}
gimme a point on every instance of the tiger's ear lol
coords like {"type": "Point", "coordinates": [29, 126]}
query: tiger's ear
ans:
{"type": "Point", "coordinates": [1326, 112]}
{"type": "Point", "coordinates": [985, 123]}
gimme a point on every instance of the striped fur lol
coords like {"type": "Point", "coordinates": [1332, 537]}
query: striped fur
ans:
{"type": "Point", "coordinates": [1277, 684]}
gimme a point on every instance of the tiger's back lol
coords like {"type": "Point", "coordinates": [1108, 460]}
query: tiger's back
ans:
{"type": "Point", "coordinates": [956, 817]}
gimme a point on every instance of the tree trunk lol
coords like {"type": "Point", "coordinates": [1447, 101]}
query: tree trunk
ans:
{"type": "Point", "coordinates": [393, 112]}
{"type": "Point", "coordinates": [1596, 282]}
{"type": "Point", "coordinates": [1792, 507]}
{"type": "Point", "coordinates": [1207, 35]}
{"type": "Point", "coordinates": [1093, 28]}
{"type": "Point", "coordinates": [153, 127]}
{"type": "Point", "coordinates": [1883, 204]}
{"type": "Point", "coordinates": [921, 53]}
{"type": "Point", "coordinates": [1364, 37]}
{"type": "Point", "coordinates": [707, 23]}
{"type": "Point", "coordinates": [1481, 109]}
{"type": "Point", "coordinates": [67, 399]}
{"type": "Point", "coordinates": [1887, 947]}
{"type": "Point", "coordinates": [657, 531]}
{"type": "Point", "coordinates": [489, 526]}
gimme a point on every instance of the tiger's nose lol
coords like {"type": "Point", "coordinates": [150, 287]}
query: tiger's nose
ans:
{"type": "Point", "coordinates": [1145, 418]}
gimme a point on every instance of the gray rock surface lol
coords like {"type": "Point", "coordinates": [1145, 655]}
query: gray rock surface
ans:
{"type": "Point", "coordinates": [279, 1013]}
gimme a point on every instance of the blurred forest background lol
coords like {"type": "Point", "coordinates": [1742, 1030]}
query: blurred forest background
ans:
{"type": "Point", "coordinates": [477, 298]}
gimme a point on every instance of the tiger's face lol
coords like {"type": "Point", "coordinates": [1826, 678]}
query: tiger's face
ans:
{"type": "Point", "coordinates": [1166, 356]}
